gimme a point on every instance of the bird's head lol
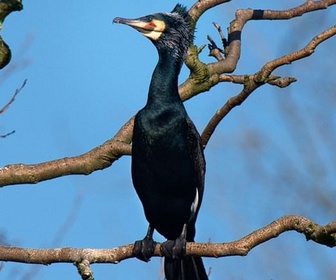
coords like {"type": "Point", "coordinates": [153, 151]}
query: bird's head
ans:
{"type": "Point", "coordinates": [168, 31]}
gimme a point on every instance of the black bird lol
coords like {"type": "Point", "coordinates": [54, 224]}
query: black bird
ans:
{"type": "Point", "coordinates": [167, 157]}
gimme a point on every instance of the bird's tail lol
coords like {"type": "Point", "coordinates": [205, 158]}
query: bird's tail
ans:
{"type": "Point", "coordinates": [186, 268]}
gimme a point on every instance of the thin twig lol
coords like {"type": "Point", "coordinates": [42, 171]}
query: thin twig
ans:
{"type": "Point", "coordinates": [17, 91]}
{"type": "Point", "coordinates": [214, 50]}
{"type": "Point", "coordinates": [3, 109]}
{"type": "Point", "coordinates": [7, 134]}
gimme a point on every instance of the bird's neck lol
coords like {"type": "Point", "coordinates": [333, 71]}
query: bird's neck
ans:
{"type": "Point", "coordinates": [163, 88]}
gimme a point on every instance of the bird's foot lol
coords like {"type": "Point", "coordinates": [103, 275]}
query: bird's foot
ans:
{"type": "Point", "coordinates": [144, 249]}
{"type": "Point", "coordinates": [174, 248]}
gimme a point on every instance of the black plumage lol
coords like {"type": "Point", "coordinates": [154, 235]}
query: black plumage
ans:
{"type": "Point", "coordinates": [167, 158]}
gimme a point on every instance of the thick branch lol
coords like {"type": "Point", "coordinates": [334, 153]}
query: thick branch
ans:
{"type": "Point", "coordinates": [325, 235]}
{"type": "Point", "coordinates": [96, 159]}
{"type": "Point", "coordinates": [201, 6]}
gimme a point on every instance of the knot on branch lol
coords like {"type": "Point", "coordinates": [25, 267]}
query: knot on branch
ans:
{"type": "Point", "coordinates": [281, 82]}
{"type": "Point", "coordinates": [5, 53]}
{"type": "Point", "coordinates": [200, 75]}
{"type": "Point", "coordinates": [325, 235]}
{"type": "Point", "coordinates": [6, 7]}
{"type": "Point", "coordinates": [198, 69]}
{"type": "Point", "coordinates": [84, 270]}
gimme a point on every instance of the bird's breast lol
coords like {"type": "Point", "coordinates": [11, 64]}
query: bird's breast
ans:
{"type": "Point", "coordinates": [160, 149]}
{"type": "Point", "coordinates": [163, 169]}
{"type": "Point", "coordinates": [161, 127]}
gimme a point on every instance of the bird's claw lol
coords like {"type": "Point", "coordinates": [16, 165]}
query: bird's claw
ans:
{"type": "Point", "coordinates": [174, 248]}
{"type": "Point", "coordinates": [144, 249]}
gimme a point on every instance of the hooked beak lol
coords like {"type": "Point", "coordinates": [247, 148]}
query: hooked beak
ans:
{"type": "Point", "coordinates": [138, 24]}
{"type": "Point", "coordinates": [148, 26]}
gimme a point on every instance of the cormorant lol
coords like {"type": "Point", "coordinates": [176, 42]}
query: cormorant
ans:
{"type": "Point", "coordinates": [167, 157]}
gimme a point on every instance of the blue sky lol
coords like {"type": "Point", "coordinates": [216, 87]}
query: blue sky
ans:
{"type": "Point", "coordinates": [86, 77]}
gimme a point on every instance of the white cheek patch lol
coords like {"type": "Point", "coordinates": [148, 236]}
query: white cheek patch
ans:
{"type": "Point", "coordinates": [158, 27]}
{"type": "Point", "coordinates": [154, 35]}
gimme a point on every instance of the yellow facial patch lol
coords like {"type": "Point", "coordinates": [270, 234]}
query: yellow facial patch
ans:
{"type": "Point", "coordinates": [154, 29]}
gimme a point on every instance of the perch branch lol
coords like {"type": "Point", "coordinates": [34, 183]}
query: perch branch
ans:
{"type": "Point", "coordinates": [324, 235]}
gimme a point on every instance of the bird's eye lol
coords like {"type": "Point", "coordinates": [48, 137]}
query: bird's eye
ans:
{"type": "Point", "coordinates": [149, 18]}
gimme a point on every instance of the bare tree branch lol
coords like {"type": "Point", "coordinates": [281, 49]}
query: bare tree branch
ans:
{"type": "Point", "coordinates": [272, 80]}
{"type": "Point", "coordinates": [4, 108]}
{"type": "Point", "coordinates": [7, 134]}
{"type": "Point", "coordinates": [59, 235]}
{"type": "Point", "coordinates": [324, 235]}
{"type": "Point", "coordinates": [291, 57]}
{"type": "Point", "coordinates": [252, 82]}
{"type": "Point", "coordinates": [96, 159]}
{"type": "Point", "coordinates": [17, 91]}
{"type": "Point", "coordinates": [205, 76]}
{"type": "Point", "coordinates": [214, 50]}
{"type": "Point", "coordinates": [201, 6]}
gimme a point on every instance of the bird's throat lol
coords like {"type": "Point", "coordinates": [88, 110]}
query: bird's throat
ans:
{"type": "Point", "coordinates": [164, 84]}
